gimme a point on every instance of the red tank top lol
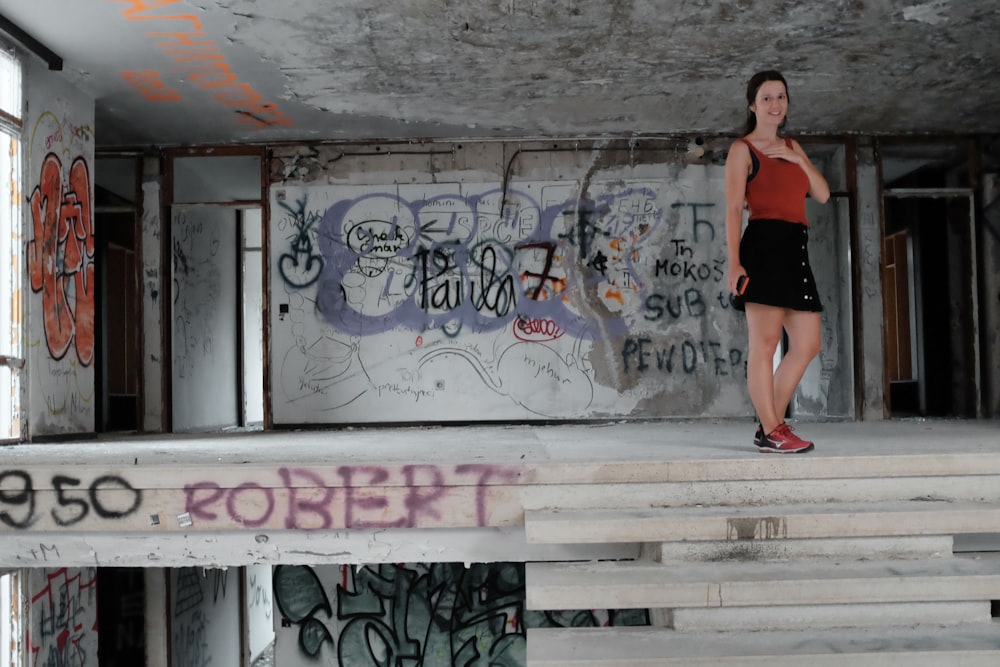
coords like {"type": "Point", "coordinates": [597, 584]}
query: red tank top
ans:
{"type": "Point", "coordinates": [776, 189]}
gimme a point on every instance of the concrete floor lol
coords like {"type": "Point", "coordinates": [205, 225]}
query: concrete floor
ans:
{"type": "Point", "coordinates": [612, 441]}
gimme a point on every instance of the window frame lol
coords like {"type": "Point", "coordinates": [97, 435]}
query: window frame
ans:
{"type": "Point", "coordinates": [12, 276]}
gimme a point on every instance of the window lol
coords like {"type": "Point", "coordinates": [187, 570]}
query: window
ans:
{"type": "Point", "coordinates": [10, 620]}
{"type": "Point", "coordinates": [11, 261]}
{"type": "Point", "coordinates": [10, 88]}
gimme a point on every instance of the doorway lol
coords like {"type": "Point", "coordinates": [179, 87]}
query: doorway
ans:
{"type": "Point", "coordinates": [217, 289]}
{"type": "Point", "coordinates": [118, 329]}
{"type": "Point", "coordinates": [930, 305]}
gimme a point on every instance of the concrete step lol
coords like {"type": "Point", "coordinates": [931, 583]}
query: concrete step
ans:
{"type": "Point", "coordinates": [973, 488]}
{"type": "Point", "coordinates": [608, 465]}
{"type": "Point", "coordinates": [922, 546]}
{"type": "Point", "coordinates": [639, 584]}
{"type": "Point", "coordinates": [827, 616]}
{"type": "Point", "coordinates": [767, 522]}
{"type": "Point", "coordinates": [974, 645]}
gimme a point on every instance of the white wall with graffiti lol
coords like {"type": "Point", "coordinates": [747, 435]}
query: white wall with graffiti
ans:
{"type": "Point", "coordinates": [476, 301]}
{"type": "Point", "coordinates": [59, 146]}
{"type": "Point", "coordinates": [435, 615]}
{"type": "Point", "coordinates": [62, 615]}
{"type": "Point", "coordinates": [567, 292]}
{"type": "Point", "coordinates": [205, 617]}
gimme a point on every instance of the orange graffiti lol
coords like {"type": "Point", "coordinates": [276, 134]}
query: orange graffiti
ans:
{"type": "Point", "coordinates": [615, 294]}
{"type": "Point", "coordinates": [149, 85]}
{"type": "Point", "coordinates": [61, 257]}
{"type": "Point", "coordinates": [208, 67]}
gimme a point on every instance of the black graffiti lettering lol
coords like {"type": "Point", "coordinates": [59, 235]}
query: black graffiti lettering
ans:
{"type": "Point", "coordinates": [736, 358]}
{"type": "Point", "coordinates": [674, 307]}
{"type": "Point", "coordinates": [24, 495]}
{"type": "Point", "coordinates": [586, 229]}
{"type": "Point", "coordinates": [44, 550]}
{"type": "Point", "coordinates": [599, 263]}
{"type": "Point", "coordinates": [665, 360]}
{"type": "Point", "coordinates": [635, 206]}
{"type": "Point", "coordinates": [301, 267]}
{"type": "Point", "coordinates": [688, 356]}
{"type": "Point", "coordinates": [720, 361]}
{"type": "Point", "coordinates": [697, 222]}
{"type": "Point", "coordinates": [437, 292]}
{"type": "Point", "coordinates": [681, 248]}
{"type": "Point", "coordinates": [695, 303]}
{"type": "Point", "coordinates": [496, 289]}
{"type": "Point", "coordinates": [654, 307]}
{"type": "Point", "coordinates": [726, 299]}
{"type": "Point", "coordinates": [696, 272]}
{"type": "Point", "coordinates": [111, 513]}
{"type": "Point", "coordinates": [635, 348]}
{"type": "Point", "coordinates": [690, 303]}
{"type": "Point", "coordinates": [74, 516]}
{"type": "Point", "coordinates": [545, 276]}
{"type": "Point", "coordinates": [117, 502]}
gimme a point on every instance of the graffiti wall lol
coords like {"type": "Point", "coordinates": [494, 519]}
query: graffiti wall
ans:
{"type": "Point", "coordinates": [204, 618]}
{"type": "Point", "coordinates": [499, 282]}
{"type": "Point", "coordinates": [528, 299]}
{"type": "Point", "coordinates": [59, 139]}
{"type": "Point", "coordinates": [437, 615]}
{"type": "Point", "coordinates": [63, 617]}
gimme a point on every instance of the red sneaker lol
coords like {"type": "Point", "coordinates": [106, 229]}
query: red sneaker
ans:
{"type": "Point", "coordinates": [783, 441]}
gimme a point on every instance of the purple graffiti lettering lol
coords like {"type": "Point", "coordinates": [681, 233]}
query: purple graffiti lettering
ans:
{"type": "Point", "coordinates": [417, 501]}
{"type": "Point", "coordinates": [486, 473]}
{"type": "Point", "coordinates": [372, 497]}
{"type": "Point", "coordinates": [297, 505]}
{"type": "Point", "coordinates": [237, 515]}
{"type": "Point", "coordinates": [196, 507]}
{"type": "Point", "coordinates": [357, 497]}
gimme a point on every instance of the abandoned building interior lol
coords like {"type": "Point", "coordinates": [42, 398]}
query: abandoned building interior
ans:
{"type": "Point", "coordinates": [395, 332]}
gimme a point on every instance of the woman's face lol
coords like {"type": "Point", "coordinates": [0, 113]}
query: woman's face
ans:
{"type": "Point", "coordinates": [771, 103]}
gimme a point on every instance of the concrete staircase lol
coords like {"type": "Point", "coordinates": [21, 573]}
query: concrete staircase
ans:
{"type": "Point", "coordinates": [844, 561]}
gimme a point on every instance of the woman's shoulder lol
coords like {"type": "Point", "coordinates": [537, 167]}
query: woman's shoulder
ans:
{"type": "Point", "coordinates": [739, 146]}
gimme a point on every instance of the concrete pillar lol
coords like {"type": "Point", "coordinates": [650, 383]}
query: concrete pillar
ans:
{"type": "Point", "coordinates": [153, 294]}
{"type": "Point", "coordinates": [157, 640]}
{"type": "Point", "coordinates": [990, 306]}
{"type": "Point", "coordinates": [869, 220]}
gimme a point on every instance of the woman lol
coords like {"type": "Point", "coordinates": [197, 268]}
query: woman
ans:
{"type": "Point", "coordinates": [771, 176]}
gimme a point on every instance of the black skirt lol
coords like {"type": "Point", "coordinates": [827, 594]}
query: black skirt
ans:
{"type": "Point", "coordinates": [775, 255]}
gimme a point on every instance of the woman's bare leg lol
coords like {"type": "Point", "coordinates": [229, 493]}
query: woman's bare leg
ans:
{"type": "Point", "coordinates": [764, 324]}
{"type": "Point", "coordinates": [803, 345]}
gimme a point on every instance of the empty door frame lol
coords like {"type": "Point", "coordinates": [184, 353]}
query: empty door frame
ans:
{"type": "Point", "coordinates": [968, 196]}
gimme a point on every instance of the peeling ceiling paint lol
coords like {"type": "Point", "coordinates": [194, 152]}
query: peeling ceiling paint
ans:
{"type": "Point", "coordinates": [219, 71]}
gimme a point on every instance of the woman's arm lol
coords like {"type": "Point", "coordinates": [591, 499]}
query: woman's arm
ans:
{"type": "Point", "coordinates": [737, 170]}
{"type": "Point", "coordinates": [818, 187]}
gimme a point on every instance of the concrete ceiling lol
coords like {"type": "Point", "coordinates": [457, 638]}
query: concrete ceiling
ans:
{"type": "Point", "coordinates": [223, 71]}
